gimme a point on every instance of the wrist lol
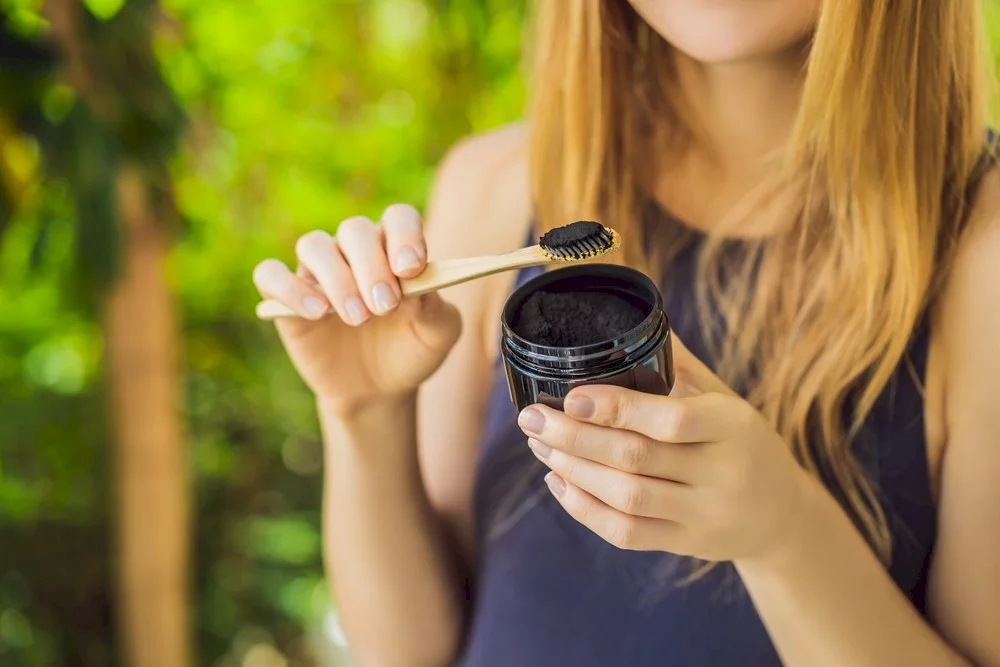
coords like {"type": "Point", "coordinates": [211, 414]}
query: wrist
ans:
{"type": "Point", "coordinates": [385, 425]}
{"type": "Point", "coordinates": [372, 444]}
{"type": "Point", "coordinates": [808, 517]}
{"type": "Point", "coordinates": [350, 411]}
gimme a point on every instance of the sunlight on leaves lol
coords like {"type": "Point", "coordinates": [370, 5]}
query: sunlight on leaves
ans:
{"type": "Point", "coordinates": [104, 9]}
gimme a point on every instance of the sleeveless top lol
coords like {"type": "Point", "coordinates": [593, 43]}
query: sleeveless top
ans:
{"type": "Point", "coordinates": [548, 591]}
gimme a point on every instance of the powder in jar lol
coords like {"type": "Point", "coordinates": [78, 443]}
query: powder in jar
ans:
{"type": "Point", "coordinates": [571, 319]}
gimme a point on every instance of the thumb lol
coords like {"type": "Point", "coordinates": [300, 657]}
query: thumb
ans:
{"type": "Point", "coordinates": [434, 321]}
{"type": "Point", "coordinates": [691, 376]}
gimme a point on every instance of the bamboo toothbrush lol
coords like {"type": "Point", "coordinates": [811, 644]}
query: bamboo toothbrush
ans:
{"type": "Point", "coordinates": [574, 242]}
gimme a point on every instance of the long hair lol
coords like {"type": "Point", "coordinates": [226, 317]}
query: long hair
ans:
{"type": "Point", "coordinates": [869, 194]}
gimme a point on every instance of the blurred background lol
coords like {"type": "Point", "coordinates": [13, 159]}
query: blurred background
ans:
{"type": "Point", "coordinates": [159, 459]}
{"type": "Point", "coordinates": [150, 155]}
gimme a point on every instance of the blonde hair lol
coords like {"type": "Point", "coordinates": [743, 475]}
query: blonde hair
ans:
{"type": "Point", "coordinates": [870, 194]}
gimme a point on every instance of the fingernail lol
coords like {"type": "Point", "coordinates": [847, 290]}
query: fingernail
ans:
{"type": "Point", "coordinates": [407, 259]}
{"type": "Point", "coordinates": [531, 420]}
{"type": "Point", "coordinates": [539, 448]}
{"type": "Point", "coordinates": [556, 484]}
{"type": "Point", "coordinates": [383, 297]}
{"type": "Point", "coordinates": [355, 308]}
{"type": "Point", "coordinates": [580, 407]}
{"type": "Point", "coordinates": [313, 305]}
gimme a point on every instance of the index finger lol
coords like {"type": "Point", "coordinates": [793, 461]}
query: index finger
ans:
{"type": "Point", "coordinates": [404, 240]}
{"type": "Point", "coordinates": [698, 418]}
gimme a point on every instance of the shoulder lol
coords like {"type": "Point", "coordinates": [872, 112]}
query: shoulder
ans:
{"type": "Point", "coordinates": [972, 289]}
{"type": "Point", "coordinates": [960, 605]}
{"type": "Point", "coordinates": [964, 331]}
{"type": "Point", "coordinates": [480, 200]}
{"type": "Point", "coordinates": [967, 326]}
{"type": "Point", "coordinates": [982, 235]}
{"type": "Point", "coordinates": [968, 317]}
{"type": "Point", "coordinates": [480, 205]}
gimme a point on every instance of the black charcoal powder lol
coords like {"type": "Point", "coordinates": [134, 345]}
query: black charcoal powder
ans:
{"type": "Point", "coordinates": [572, 319]}
{"type": "Point", "coordinates": [571, 233]}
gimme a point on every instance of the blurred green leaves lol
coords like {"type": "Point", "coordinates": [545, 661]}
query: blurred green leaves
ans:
{"type": "Point", "coordinates": [104, 9]}
{"type": "Point", "coordinates": [24, 17]}
{"type": "Point", "coordinates": [286, 539]}
{"type": "Point", "coordinates": [276, 117]}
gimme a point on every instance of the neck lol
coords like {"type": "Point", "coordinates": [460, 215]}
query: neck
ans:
{"type": "Point", "coordinates": [744, 113]}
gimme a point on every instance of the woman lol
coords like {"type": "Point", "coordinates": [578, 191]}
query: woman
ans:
{"type": "Point", "coordinates": [830, 259]}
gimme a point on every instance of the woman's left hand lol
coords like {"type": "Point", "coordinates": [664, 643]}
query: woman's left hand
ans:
{"type": "Point", "coordinates": [699, 473]}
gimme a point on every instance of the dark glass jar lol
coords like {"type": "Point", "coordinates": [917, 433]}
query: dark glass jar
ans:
{"type": "Point", "coordinates": [639, 358]}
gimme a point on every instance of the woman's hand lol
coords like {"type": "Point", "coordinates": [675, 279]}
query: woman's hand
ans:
{"type": "Point", "coordinates": [377, 346]}
{"type": "Point", "coordinates": [699, 473]}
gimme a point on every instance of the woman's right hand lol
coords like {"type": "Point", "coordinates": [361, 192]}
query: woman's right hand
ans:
{"type": "Point", "coordinates": [377, 346]}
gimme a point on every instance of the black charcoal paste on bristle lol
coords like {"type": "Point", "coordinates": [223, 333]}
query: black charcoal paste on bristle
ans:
{"type": "Point", "coordinates": [572, 319]}
{"type": "Point", "coordinates": [572, 233]}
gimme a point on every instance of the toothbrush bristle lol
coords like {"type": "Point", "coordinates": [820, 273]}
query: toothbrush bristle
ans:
{"type": "Point", "coordinates": [579, 240]}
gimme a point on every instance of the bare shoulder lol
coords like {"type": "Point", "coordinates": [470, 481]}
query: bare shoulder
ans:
{"type": "Point", "coordinates": [968, 317]}
{"type": "Point", "coordinates": [965, 328]}
{"type": "Point", "coordinates": [972, 292]}
{"type": "Point", "coordinates": [480, 205]}
{"type": "Point", "coordinates": [982, 241]}
{"type": "Point", "coordinates": [966, 568]}
{"type": "Point", "coordinates": [480, 200]}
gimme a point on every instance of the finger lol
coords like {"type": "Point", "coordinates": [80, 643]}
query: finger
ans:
{"type": "Point", "coordinates": [683, 386]}
{"type": "Point", "coordinates": [361, 243]}
{"type": "Point", "coordinates": [274, 280]}
{"type": "Point", "coordinates": [303, 272]}
{"type": "Point", "coordinates": [691, 375]}
{"type": "Point", "coordinates": [624, 450]}
{"type": "Point", "coordinates": [633, 494]}
{"type": "Point", "coordinates": [436, 323]}
{"type": "Point", "coordinates": [701, 418]}
{"type": "Point", "coordinates": [320, 258]}
{"type": "Point", "coordinates": [625, 531]}
{"type": "Point", "coordinates": [404, 240]}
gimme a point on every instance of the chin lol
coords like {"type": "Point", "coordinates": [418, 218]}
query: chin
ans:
{"type": "Point", "coordinates": [731, 31]}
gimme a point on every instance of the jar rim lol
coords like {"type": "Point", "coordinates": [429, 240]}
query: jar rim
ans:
{"type": "Point", "coordinates": [616, 278]}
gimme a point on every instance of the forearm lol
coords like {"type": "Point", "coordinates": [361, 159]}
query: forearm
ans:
{"type": "Point", "coordinates": [827, 601]}
{"type": "Point", "coordinates": [397, 588]}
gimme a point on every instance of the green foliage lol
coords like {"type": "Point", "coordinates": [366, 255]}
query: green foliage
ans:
{"type": "Point", "coordinates": [302, 114]}
{"type": "Point", "coordinates": [298, 114]}
{"type": "Point", "coordinates": [104, 9]}
{"type": "Point", "coordinates": [128, 115]}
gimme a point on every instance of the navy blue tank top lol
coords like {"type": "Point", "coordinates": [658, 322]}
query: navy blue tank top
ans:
{"type": "Point", "coordinates": [547, 591]}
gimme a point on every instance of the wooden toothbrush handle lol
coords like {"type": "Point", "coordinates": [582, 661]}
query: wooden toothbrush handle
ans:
{"type": "Point", "coordinates": [269, 309]}
{"type": "Point", "coordinates": [448, 272]}
{"type": "Point", "coordinates": [438, 275]}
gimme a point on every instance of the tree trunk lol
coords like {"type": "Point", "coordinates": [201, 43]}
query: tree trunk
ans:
{"type": "Point", "coordinates": [152, 493]}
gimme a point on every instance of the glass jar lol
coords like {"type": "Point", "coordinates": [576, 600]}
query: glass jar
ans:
{"type": "Point", "coordinates": [639, 358]}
